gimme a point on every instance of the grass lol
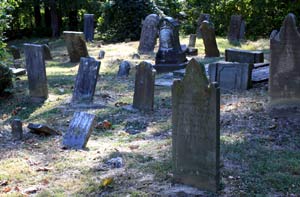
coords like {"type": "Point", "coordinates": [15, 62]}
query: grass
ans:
{"type": "Point", "coordinates": [251, 163]}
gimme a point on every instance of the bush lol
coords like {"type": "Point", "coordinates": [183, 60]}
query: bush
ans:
{"type": "Point", "coordinates": [5, 79]}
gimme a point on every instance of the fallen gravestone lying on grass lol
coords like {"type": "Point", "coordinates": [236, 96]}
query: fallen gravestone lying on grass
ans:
{"type": "Point", "coordinates": [42, 129]}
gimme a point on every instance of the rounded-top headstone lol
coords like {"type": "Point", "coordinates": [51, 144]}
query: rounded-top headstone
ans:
{"type": "Point", "coordinates": [124, 69]}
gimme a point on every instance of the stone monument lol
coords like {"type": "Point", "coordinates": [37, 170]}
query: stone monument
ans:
{"type": "Point", "coordinates": [236, 29]}
{"type": "Point", "coordinates": [89, 27]}
{"type": "Point", "coordinates": [209, 39]}
{"type": "Point", "coordinates": [76, 45]}
{"type": "Point", "coordinates": [202, 17]}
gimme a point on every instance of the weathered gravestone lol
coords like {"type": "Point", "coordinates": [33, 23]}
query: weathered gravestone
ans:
{"type": "Point", "coordinates": [231, 75]}
{"type": "Point", "coordinates": [170, 55]}
{"type": "Point", "coordinates": [101, 54]}
{"type": "Point", "coordinates": [284, 83]}
{"type": "Point", "coordinates": [36, 72]}
{"type": "Point", "coordinates": [192, 40]}
{"type": "Point", "coordinates": [143, 98]}
{"type": "Point", "coordinates": [16, 129]}
{"type": "Point", "coordinates": [86, 81]}
{"type": "Point", "coordinates": [149, 34]}
{"type": "Point", "coordinates": [89, 27]}
{"type": "Point", "coordinates": [209, 39]}
{"type": "Point", "coordinates": [124, 69]}
{"type": "Point", "coordinates": [244, 56]}
{"type": "Point", "coordinates": [15, 51]}
{"type": "Point", "coordinates": [202, 17]}
{"type": "Point", "coordinates": [47, 52]}
{"type": "Point", "coordinates": [196, 129]}
{"type": "Point", "coordinates": [79, 130]}
{"type": "Point", "coordinates": [76, 45]}
{"type": "Point", "coordinates": [236, 29]}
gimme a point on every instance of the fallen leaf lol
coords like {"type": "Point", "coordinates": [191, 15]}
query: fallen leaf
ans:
{"type": "Point", "coordinates": [44, 169]}
{"type": "Point", "coordinates": [7, 189]}
{"type": "Point", "coordinates": [107, 181]}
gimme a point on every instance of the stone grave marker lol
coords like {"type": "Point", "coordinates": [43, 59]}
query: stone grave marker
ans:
{"type": "Point", "coordinates": [36, 72]}
{"type": "Point", "coordinates": [284, 83]}
{"type": "Point", "coordinates": [89, 27]}
{"type": "Point", "coordinates": [192, 40]}
{"type": "Point", "coordinates": [170, 55]}
{"type": "Point", "coordinates": [124, 69]}
{"type": "Point", "coordinates": [101, 54]}
{"type": "Point", "coordinates": [209, 39]}
{"type": "Point", "coordinates": [149, 34]}
{"type": "Point", "coordinates": [236, 28]}
{"type": "Point", "coordinates": [196, 129]}
{"type": "Point", "coordinates": [244, 56]}
{"type": "Point", "coordinates": [202, 17]}
{"type": "Point", "coordinates": [86, 81]}
{"type": "Point", "coordinates": [76, 45]}
{"type": "Point", "coordinates": [79, 130]}
{"type": "Point", "coordinates": [16, 129]}
{"type": "Point", "coordinates": [47, 52]}
{"type": "Point", "coordinates": [231, 75]}
{"type": "Point", "coordinates": [143, 98]}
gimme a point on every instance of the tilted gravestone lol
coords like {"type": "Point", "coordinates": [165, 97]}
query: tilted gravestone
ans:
{"type": "Point", "coordinates": [284, 83]}
{"type": "Point", "coordinates": [86, 81]}
{"type": "Point", "coordinates": [231, 75]}
{"type": "Point", "coordinates": [236, 29]}
{"type": "Point", "coordinates": [36, 72]}
{"type": "Point", "coordinates": [244, 56]}
{"type": "Point", "coordinates": [143, 98]}
{"type": "Point", "coordinates": [76, 45]}
{"type": "Point", "coordinates": [170, 55]}
{"type": "Point", "coordinates": [196, 129]}
{"type": "Point", "coordinates": [89, 27]}
{"type": "Point", "coordinates": [202, 17]}
{"type": "Point", "coordinates": [209, 39]}
{"type": "Point", "coordinates": [79, 130]}
{"type": "Point", "coordinates": [16, 129]}
{"type": "Point", "coordinates": [124, 69]}
{"type": "Point", "coordinates": [149, 34]}
{"type": "Point", "coordinates": [47, 52]}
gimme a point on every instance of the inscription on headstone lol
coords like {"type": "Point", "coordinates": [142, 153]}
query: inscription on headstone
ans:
{"type": "Point", "coordinates": [79, 130]}
{"type": "Point", "coordinates": [149, 34]}
{"type": "Point", "coordinates": [284, 83]}
{"type": "Point", "coordinates": [36, 72]}
{"type": "Point", "coordinates": [76, 45]}
{"type": "Point", "coordinates": [196, 129]}
{"type": "Point", "coordinates": [86, 81]}
{"type": "Point", "coordinates": [89, 27]}
{"type": "Point", "coordinates": [209, 39]}
{"type": "Point", "coordinates": [143, 98]}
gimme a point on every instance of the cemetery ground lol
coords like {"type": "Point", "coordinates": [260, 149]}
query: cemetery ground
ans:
{"type": "Point", "coordinates": [260, 152]}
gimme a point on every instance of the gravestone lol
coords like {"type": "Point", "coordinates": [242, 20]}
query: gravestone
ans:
{"type": "Point", "coordinates": [47, 52]}
{"type": "Point", "coordinates": [89, 27]}
{"type": "Point", "coordinates": [101, 54]}
{"type": "Point", "coordinates": [209, 39]}
{"type": "Point", "coordinates": [149, 34]}
{"type": "Point", "coordinates": [236, 29]}
{"type": "Point", "coordinates": [15, 51]}
{"type": "Point", "coordinates": [202, 17]}
{"type": "Point", "coordinates": [16, 129]}
{"type": "Point", "coordinates": [170, 55]}
{"type": "Point", "coordinates": [284, 83]}
{"type": "Point", "coordinates": [42, 129]}
{"type": "Point", "coordinates": [231, 75]}
{"type": "Point", "coordinates": [124, 69]}
{"type": "Point", "coordinates": [143, 98]}
{"type": "Point", "coordinates": [192, 40]}
{"type": "Point", "coordinates": [76, 45]}
{"type": "Point", "coordinates": [79, 130]}
{"type": "Point", "coordinates": [196, 129]}
{"type": "Point", "coordinates": [244, 56]}
{"type": "Point", "coordinates": [86, 81]}
{"type": "Point", "coordinates": [36, 72]}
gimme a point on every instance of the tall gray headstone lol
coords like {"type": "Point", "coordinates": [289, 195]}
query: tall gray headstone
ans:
{"type": "Point", "coordinates": [86, 81]}
{"type": "Point", "coordinates": [202, 17]}
{"type": "Point", "coordinates": [149, 34]}
{"type": "Point", "coordinates": [89, 27]}
{"type": "Point", "coordinates": [192, 40]}
{"type": "Point", "coordinates": [36, 72]}
{"type": "Point", "coordinates": [209, 39]}
{"type": "Point", "coordinates": [196, 129]}
{"type": "Point", "coordinates": [244, 56]}
{"type": "Point", "coordinates": [143, 98]}
{"type": "Point", "coordinates": [231, 75]}
{"type": "Point", "coordinates": [236, 28]}
{"type": "Point", "coordinates": [17, 129]}
{"type": "Point", "coordinates": [284, 83]}
{"type": "Point", "coordinates": [76, 45]}
{"type": "Point", "coordinates": [79, 130]}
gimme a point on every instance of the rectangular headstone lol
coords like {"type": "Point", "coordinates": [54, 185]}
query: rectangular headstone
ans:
{"type": "Point", "coordinates": [143, 98]}
{"type": "Point", "coordinates": [17, 129]}
{"type": "Point", "coordinates": [36, 72]}
{"type": "Point", "coordinates": [244, 56]}
{"type": "Point", "coordinates": [79, 130]}
{"type": "Point", "coordinates": [192, 40]}
{"type": "Point", "coordinates": [89, 27]}
{"type": "Point", "coordinates": [231, 75]}
{"type": "Point", "coordinates": [196, 129]}
{"type": "Point", "coordinates": [76, 45]}
{"type": "Point", "coordinates": [86, 81]}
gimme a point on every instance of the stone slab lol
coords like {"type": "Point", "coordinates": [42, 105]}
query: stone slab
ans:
{"type": "Point", "coordinates": [244, 56]}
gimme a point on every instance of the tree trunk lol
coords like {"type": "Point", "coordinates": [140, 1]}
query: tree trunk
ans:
{"type": "Point", "coordinates": [73, 21]}
{"type": "Point", "coordinates": [37, 14]}
{"type": "Point", "coordinates": [47, 16]}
